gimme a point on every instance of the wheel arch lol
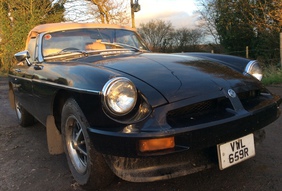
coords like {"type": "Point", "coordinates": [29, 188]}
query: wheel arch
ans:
{"type": "Point", "coordinates": [83, 99]}
{"type": "Point", "coordinates": [90, 106]}
{"type": "Point", "coordinates": [53, 123]}
{"type": "Point", "coordinates": [58, 103]}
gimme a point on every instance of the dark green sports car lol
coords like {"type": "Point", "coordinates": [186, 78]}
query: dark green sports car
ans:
{"type": "Point", "coordinates": [115, 108]}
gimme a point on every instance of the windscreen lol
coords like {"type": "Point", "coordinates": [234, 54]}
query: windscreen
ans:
{"type": "Point", "coordinates": [90, 40]}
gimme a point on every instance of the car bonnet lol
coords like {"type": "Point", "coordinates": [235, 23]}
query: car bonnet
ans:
{"type": "Point", "coordinates": [181, 77]}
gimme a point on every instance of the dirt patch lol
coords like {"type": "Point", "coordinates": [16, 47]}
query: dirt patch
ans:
{"type": "Point", "coordinates": [27, 165]}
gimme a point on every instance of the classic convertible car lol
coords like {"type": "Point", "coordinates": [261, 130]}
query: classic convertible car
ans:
{"type": "Point", "coordinates": [115, 108]}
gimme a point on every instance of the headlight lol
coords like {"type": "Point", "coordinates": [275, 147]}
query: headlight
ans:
{"type": "Point", "coordinates": [119, 96]}
{"type": "Point", "coordinates": [254, 69]}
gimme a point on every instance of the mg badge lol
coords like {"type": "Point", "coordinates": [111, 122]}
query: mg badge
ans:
{"type": "Point", "coordinates": [231, 93]}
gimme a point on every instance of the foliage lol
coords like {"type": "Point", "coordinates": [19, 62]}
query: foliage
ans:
{"type": "Point", "coordinates": [17, 17]}
{"type": "Point", "coordinates": [265, 48]}
{"type": "Point", "coordinates": [241, 23]}
{"type": "Point", "coordinates": [263, 14]}
{"type": "Point", "coordinates": [234, 32]}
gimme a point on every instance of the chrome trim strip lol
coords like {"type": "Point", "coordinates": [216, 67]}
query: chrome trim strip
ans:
{"type": "Point", "coordinates": [39, 47]}
{"type": "Point", "coordinates": [67, 87]}
{"type": "Point", "coordinates": [107, 87]}
{"type": "Point", "coordinates": [19, 77]}
{"type": "Point", "coordinates": [58, 85]}
{"type": "Point", "coordinates": [249, 65]}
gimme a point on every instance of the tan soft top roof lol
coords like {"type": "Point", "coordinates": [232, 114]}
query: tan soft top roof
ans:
{"type": "Point", "coordinates": [67, 26]}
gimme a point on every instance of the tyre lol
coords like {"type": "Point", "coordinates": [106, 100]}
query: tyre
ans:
{"type": "Point", "coordinates": [86, 165]}
{"type": "Point", "coordinates": [25, 119]}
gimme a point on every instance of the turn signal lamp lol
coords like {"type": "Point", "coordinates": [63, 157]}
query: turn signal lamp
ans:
{"type": "Point", "coordinates": [156, 144]}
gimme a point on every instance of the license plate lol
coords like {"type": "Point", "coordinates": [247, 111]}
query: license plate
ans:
{"type": "Point", "coordinates": [235, 151]}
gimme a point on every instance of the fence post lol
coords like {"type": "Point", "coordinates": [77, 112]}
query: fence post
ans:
{"type": "Point", "coordinates": [247, 51]}
{"type": "Point", "coordinates": [280, 48]}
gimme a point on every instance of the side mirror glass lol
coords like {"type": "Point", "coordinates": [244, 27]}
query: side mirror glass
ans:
{"type": "Point", "coordinates": [23, 56]}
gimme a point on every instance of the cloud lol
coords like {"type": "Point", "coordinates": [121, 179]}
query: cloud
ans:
{"type": "Point", "coordinates": [183, 19]}
{"type": "Point", "coordinates": [181, 13]}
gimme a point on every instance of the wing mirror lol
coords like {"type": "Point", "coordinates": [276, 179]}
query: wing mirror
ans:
{"type": "Point", "coordinates": [23, 56]}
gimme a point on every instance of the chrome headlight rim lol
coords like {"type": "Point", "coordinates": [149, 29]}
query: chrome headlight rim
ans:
{"type": "Point", "coordinates": [106, 96]}
{"type": "Point", "coordinates": [250, 67]}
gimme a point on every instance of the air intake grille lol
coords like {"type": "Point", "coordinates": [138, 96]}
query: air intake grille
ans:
{"type": "Point", "coordinates": [216, 109]}
{"type": "Point", "coordinates": [253, 100]}
{"type": "Point", "coordinates": [198, 113]}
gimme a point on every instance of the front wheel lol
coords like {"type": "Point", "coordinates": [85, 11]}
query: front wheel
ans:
{"type": "Point", "coordinates": [86, 164]}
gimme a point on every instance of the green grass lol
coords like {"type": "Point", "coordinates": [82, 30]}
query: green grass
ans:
{"type": "Point", "coordinates": [272, 75]}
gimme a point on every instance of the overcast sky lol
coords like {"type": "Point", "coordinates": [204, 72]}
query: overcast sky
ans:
{"type": "Point", "coordinates": [181, 13]}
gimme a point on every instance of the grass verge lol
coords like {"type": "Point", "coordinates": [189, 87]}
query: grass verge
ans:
{"type": "Point", "coordinates": [272, 75]}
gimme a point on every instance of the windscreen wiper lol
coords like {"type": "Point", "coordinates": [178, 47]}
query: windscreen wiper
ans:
{"type": "Point", "coordinates": [66, 51]}
{"type": "Point", "coordinates": [121, 45]}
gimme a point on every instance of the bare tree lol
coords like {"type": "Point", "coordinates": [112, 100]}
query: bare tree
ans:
{"type": "Point", "coordinates": [78, 11]}
{"type": "Point", "coordinates": [100, 11]}
{"type": "Point", "coordinates": [184, 37]}
{"type": "Point", "coordinates": [157, 34]}
{"type": "Point", "coordinates": [111, 11]}
{"type": "Point", "coordinates": [208, 17]}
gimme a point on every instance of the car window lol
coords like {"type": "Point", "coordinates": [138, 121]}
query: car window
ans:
{"type": "Point", "coordinates": [89, 39]}
{"type": "Point", "coordinates": [31, 49]}
{"type": "Point", "coordinates": [129, 38]}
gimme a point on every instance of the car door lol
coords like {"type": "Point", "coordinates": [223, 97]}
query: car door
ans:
{"type": "Point", "coordinates": [42, 84]}
{"type": "Point", "coordinates": [21, 77]}
{"type": "Point", "coordinates": [44, 89]}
